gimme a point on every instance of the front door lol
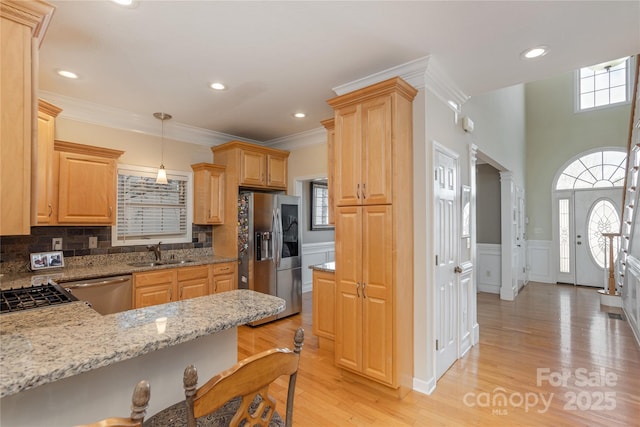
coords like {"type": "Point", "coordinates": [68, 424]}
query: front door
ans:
{"type": "Point", "coordinates": [596, 212]}
{"type": "Point", "coordinates": [446, 251]}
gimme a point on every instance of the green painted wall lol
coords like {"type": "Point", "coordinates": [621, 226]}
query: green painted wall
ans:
{"type": "Point", "coordinates": [555, 134]}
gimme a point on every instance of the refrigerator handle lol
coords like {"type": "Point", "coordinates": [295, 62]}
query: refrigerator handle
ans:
{"type": "Point", "coordinates": [274, 233]}
{"type": "Point", "coordinates": [278, 236]}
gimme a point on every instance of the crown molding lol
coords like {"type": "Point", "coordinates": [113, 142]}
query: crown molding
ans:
{"type": "Point", "coordinates": [439, 82]}
{"type": "Point", "coordinates": [420, 73]}
{"type": "Point", "coordinates": [299, 140]}
{"type": "Point", "coordinates": [412, 72]}
{"type": "Point", "coordinates": [88, 112]}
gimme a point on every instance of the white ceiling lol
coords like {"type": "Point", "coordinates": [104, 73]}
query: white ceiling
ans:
{"type": "Point", "coordinates": [281, 57]}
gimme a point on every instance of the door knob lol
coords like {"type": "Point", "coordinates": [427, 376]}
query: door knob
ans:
{"type": "Point", "coordinates": [457, 269]}
{"type": "Point", "coordinates": [579, 243]}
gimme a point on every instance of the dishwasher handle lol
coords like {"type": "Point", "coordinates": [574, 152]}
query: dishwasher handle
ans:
{"type": "Point", "coordinates": [89, 284]}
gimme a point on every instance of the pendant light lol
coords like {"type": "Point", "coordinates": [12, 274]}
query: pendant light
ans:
{"type": "Point", "coordinates": [162, 174]}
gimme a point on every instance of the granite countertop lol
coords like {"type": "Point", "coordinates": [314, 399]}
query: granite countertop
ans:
{"type": "Point", "coordinates": [94, 271]}
{"type": "Point", "coordinates": [329, 267]}
{"type": "Point", "coordinates": [47, 344]}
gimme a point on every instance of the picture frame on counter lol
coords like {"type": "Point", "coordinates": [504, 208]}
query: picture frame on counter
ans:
{"type": "Point", "coordinates": [45, 260]}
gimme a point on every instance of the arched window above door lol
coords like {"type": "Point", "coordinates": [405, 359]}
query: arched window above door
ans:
{"type": "Point", "coordinates": [600, 169]}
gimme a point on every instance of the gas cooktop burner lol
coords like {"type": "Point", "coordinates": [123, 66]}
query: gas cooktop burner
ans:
{"type": "Point", "coordinates": [12, 300]}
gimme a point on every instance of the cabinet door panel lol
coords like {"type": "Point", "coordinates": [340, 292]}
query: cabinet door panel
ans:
{"type": "Point", "coordinates": [153, 295]}
{"type": "Point", "coordinates": [86, 189]}
{"type": "Point", "coordinates": [277, 171]}
{"type": "Point", "coordinates": [252, 168]}
{"type": "Point", "coordinates": [347, 156]}
{"type": "Point", "coordinates": [44, 172]}
{"type": "Point", "coordinates": [194, 288]}
{"type": "Point", "coordinates": [324, 304]}
{"type": "Point", "coordinates": [216, 198]}
{"type": "Point", "coordinates": [377, 277]}
{"type": "Point", "coordinates": [348, 345]}
{"type": "Point", "coordinates": [377, 166]}
{"type": "Point", "coordinates": [224, 282]}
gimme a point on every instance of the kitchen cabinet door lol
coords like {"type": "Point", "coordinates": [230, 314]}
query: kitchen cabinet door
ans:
{"type": "Point", "coordinates": [324, 304]}
{"type": "Point", "coordinates": [224, 277]}
{"type": "Point", "coordinates": [253, 168]}
{"type": "Point", "coordinates": [348, 337]}
{"type": "Point", "coordinates": [209, 182]}
{"type": "Point", "coordinates": [86, 189]}
{"type": "Point", "coordinates": [43, 183]}
{"type": "Point", "coordinates": [193, 282]}
{"type": "Point", "coordinates": [377, 165]}
{"type": "Point", "coordinates": [154, 287]}
{"type": "Point", "coordinates": [153, 295]}
{"type": "Point", "coordinates": [377, 299]}
{"type": "Point", "coordinates": [277, 171]}
{"type": "Point", "coordinates": [347, 156]}
{"type": "Point", "coordinates": [364, 280]}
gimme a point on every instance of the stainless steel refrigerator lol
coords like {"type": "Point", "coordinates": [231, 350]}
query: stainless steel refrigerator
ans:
{"type": "Point", "coordinates": [269, 248]}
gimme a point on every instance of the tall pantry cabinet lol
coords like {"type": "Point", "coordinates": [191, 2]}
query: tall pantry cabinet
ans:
{"type": "Point", "coordinates": [22, 28]}
{"type": "Point", "coordinates": [373, 185]}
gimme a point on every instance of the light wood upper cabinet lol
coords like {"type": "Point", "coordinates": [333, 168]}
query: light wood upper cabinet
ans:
{"type": "Point", "coordinates": [362, 153]}
{"type": "Point", "coordinates": [257, 166]}
{"type": "Point", "coordinates": [209, 193]}
{"type": "Point", "coordinates": [253, 168]}
{"type": "Point", "coordinates": [86, 184]}
{"type": "Point", "coordinates": [22, 28]}
{"type": "Point", "coordinates": [42, 184]}
{"type": "Point", "coordinates": [277, 170]}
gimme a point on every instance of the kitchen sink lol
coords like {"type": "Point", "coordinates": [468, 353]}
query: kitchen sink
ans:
{"type": "Point", "coordinates": [146, 263]}
{"type": "Point", "coordinates": [156, 263]}
{"type": "Point", "coordinates": [176, 261]}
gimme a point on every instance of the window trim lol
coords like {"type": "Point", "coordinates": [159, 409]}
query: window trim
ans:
{"type": "Point", "coordinates": [152, 172]}
{"type": "Point", "coordinates": [629, 83]}
{"type": "Point", "coordinates": [314, 208]}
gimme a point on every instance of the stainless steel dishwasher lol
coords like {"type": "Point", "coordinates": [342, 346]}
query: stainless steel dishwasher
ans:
{"type": "Point", "coordinates": [106, 295]}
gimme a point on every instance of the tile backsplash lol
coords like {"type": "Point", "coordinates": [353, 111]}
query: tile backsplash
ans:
{"type": "Point", "coordinates": [75, 242]}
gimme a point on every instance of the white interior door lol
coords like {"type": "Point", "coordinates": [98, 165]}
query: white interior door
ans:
{"type": "Point", "coordinates": [595, 212]}
{"type": "Point", "coordinates": [446, 250]}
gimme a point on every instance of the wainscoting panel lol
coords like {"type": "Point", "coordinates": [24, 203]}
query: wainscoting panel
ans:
{"type": "Point", "coordinates": [313, 254]}
{"type": "Point", "coordinates": [631, 295]}
{"type": "Point", "coordinates": [540, 263]}
{"type": "Point", "coordinates": [489, 267]}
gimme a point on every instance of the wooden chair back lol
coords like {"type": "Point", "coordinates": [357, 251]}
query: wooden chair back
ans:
{"type": "Point", "coordinates": [248, 379]}
{"type": "Point", "coordinates": [139, 403]}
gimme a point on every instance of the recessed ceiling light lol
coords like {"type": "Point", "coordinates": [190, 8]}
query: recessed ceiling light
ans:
{"type": "Point", "coordinates": [534, 52]}
{"type": "Point", "coordinates": [299, 115]}
{"type": "Point", "coordinates": [126, 3]}
{"type": "Point", "coordinates": [217, 86]}
{"type": "Point", "coordinates": [67, 74]}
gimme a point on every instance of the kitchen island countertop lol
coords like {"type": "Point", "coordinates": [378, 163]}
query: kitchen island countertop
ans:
{"type": "Point", "coordinates": [329, 267]}
{"type": "Point", "coordinates": [48, 344]}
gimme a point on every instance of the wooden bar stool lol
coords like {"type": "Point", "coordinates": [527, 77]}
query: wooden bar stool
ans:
{"type": "Point", "coordinates": [237, 395]}
{"type": "Point", "coordinates": [139, 403]}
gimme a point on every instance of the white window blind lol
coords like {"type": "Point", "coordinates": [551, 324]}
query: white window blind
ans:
{"type": "Point", "coordinates": [149, 211]}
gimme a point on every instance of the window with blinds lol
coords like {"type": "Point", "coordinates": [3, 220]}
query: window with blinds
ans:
{"type": "Point", "coordinates": [147, 211]}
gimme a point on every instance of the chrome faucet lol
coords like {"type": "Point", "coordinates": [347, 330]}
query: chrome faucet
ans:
{"type": "Point", "coordinates": [156, 251]}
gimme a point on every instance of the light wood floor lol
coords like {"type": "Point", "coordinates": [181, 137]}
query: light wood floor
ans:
{"type": "Point", "coordinates": [549, 327]}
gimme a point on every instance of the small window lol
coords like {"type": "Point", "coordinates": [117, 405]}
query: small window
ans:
{"type": "Point", "coordinates": [320, 206]}
{"type": "Point", "coordinates": [604, 84]}
{"type": "Point", "coordinates": [149, 211]}
{"type": "Point", "coordinates": [600, 169]}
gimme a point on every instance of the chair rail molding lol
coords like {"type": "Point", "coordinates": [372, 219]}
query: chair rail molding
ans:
{"type": "Point", "coordinates": [314, 254]}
